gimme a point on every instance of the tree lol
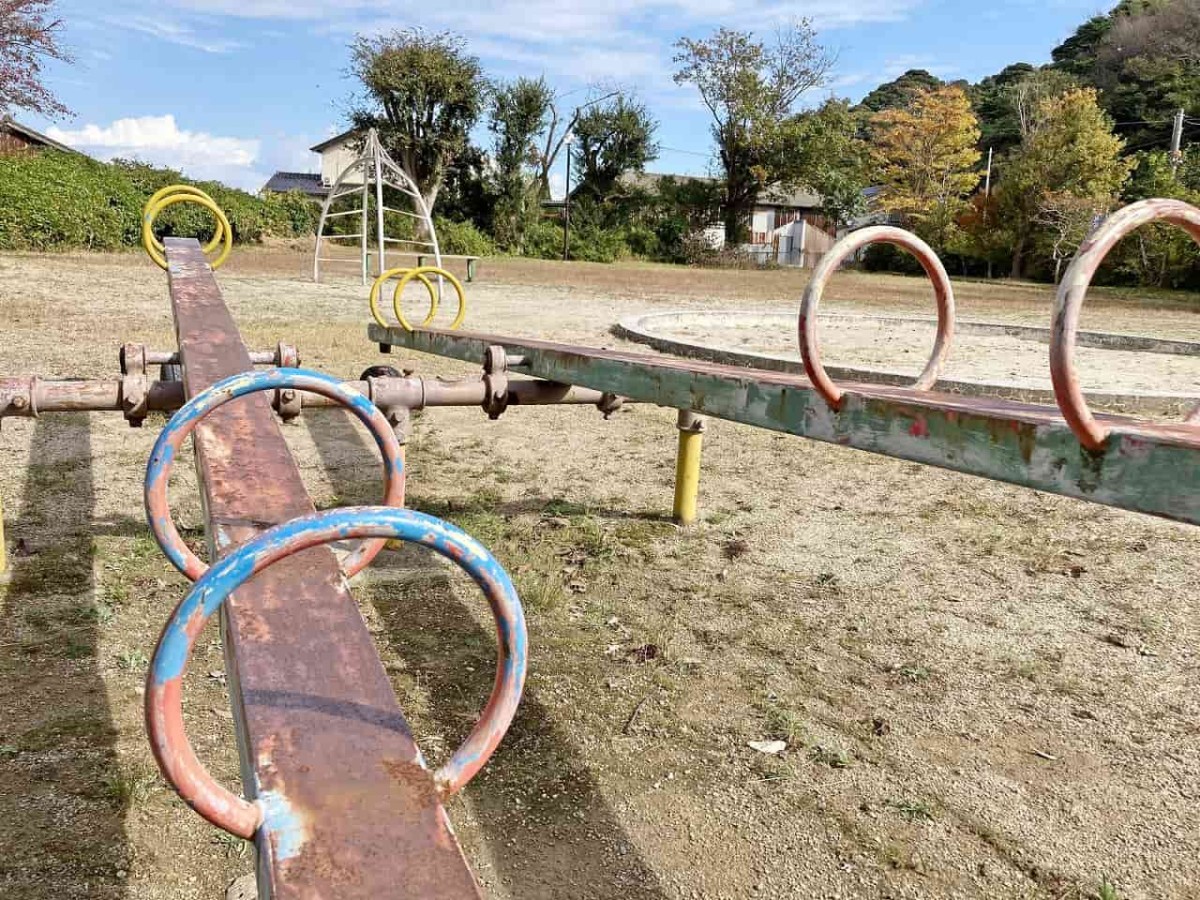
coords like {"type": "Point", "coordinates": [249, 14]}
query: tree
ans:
{"type": "Point", "coordinates": [900, 92]}
{"type": "Point", "coordinates": [1077, 54]}
{"type": "Point", "coordinates": [1070, 149]}
{"type": "Point", "coordinates": [519, 114]}
{"type": "Point", "coordinates": [612, 138]}
{"type": "Point", "coordinates": [424, 93]}
{"type": "Point", "coordinates": [468, 192]}
{"type": "Point", "coordinates": [28, 35]}
{"type": "Point", "coordinates": [1147, 66]}
{"type": "Point", "coordinates": [991, 98]}
{"type": "Point", "coordinates": [1026, 95]}
{"type": "Point", "coordinates": [1161, 254]}
{"type": "Point", "coordinates": [751, 89]}
{"type": "Point", "coordinates": [830, 158]}
{"type": "Point", "coordinates": [1142, 58]}
{"type": "Point", "coordinates": [1067, 220]}
{"type": "Point", "coordinates": [927, 159]}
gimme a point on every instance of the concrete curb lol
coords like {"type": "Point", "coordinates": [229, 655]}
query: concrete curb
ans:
{"type": "Point", "coordinates": [640, 330]}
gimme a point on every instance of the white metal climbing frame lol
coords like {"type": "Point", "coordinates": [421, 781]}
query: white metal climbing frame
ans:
{"type": "Point", "coordinates": [366, 176]}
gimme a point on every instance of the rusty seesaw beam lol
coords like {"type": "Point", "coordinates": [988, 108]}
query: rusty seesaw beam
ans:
{"type": "Point", "coordinates": [338, 798]}
{"type": "Point", "coordinates": [1117, 461]}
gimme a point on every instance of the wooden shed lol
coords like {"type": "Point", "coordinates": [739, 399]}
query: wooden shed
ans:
{"type": "Point", "coordinates": [16, 138]}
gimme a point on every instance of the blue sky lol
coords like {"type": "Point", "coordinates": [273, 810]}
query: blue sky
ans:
{"type": "Point", "coordinates": [236, 89]}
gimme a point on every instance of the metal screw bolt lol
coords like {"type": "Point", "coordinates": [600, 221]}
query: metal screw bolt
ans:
{"type": "Point", "coordinates": [288, 396]}
{"type": "Point", "coordinates": [19, 402]}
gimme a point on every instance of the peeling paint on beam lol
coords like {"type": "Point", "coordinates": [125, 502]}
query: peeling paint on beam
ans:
{"type": "Point", "coordinates": [1146, 468]}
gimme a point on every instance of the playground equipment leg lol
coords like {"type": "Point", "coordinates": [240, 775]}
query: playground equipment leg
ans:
{"type": "Point", "coordinates": [3, 546]}
{"type": "Point", "coordinates": [687, 466]}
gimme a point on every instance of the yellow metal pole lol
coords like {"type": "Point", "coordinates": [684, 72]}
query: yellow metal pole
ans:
{"type": "Point", "coordinates": [687, 466]}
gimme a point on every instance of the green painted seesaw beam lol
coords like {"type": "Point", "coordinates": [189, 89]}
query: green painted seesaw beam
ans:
{"type": "Point", "coordinates": [1144, 467]}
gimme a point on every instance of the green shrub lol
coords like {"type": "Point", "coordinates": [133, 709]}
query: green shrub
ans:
{"type": "Point", "coordinates": [544, 239]}
{"type": "Point", "coordinates": [593, 244]}
{"type": "Point", "coordinates": [59, 201]}
{"type": "Point", "coordinates": [643, 241]}
{"type": "Point", "coordinates": [886, 258]}
{"type": "Point", "coordinates": [462, 238]}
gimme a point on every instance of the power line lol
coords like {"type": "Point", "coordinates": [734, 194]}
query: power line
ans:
{"type": "Point", "coordinates": [688, 152]}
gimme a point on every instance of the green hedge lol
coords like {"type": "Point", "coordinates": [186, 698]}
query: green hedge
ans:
{"type": "Point", "coordinates": [589, 243]}
{"type": "Point", "coordinates": [462, 239]}
{"type": "Point", "coordinates": [62, 201]}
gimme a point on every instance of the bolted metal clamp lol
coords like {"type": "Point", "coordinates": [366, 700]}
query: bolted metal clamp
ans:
{"type": "Point", "coordinates": [286, 356]}
{"type": "Point", "coordinates": [609, 404]}
{"type": "Point", "coordinates": [495, 380]}
{"type": "Point", "coordinates": [135, 399]}
{"type": "Point", "coordinates": [135, 385]}
{"type": "Point", "coordinates": [18, 397]}
{"type": "Point", "coordinates": [287, 400]}
{"type": "Point", "coordinates": [132, 358]}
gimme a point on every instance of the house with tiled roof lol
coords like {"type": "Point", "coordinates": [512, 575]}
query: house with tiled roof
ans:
{"type": "Point", "coordinates": [308, 183]}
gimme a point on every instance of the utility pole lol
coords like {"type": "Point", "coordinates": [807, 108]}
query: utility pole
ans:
{"type": "Point", "coordinates": [1177, 141]}
{"type": "Point", "coordinates": [567, 198]}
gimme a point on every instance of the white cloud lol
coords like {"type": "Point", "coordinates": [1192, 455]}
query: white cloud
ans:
{"type": "Point", "coordinates": [573, 40]}
{"type": "Point", "coordinates": [546, 19]}
{"type": "Point", "coordinates": [175, 32]}
{"type": "Point", "coordinates": [159, 140]}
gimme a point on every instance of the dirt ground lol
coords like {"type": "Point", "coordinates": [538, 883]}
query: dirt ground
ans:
{"type": "Point", "coordinates": [983, 691]}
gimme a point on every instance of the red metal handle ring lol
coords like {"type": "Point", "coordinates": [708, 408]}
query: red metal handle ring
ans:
{"type": "Point", "coordinates": [166, 448]}
{"type": "Point", "coordinates": [810, 350]}
{"type": "Point", "coordinates": [1068, 303]}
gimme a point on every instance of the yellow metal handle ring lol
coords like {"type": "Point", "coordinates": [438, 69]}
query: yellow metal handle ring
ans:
{"type": "Point", "coordinates": [222, 226]}
{"type": "Point", "coordinates": [149, 213]}
{"type": "Point", "coordinates": [387, 276]}
{"type": "Point", "coordinates": [439, 273]}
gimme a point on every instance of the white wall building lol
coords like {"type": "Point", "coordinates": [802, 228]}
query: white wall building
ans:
{"type": "Point", "coordinates": [337, 154]}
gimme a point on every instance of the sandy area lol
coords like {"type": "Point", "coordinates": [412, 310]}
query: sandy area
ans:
{"type": "Point", "coordinates": [892, 346]}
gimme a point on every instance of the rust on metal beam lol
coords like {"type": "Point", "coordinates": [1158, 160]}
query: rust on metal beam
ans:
{"type": "Point", "coordinates": [352, 810]}
{"type": "Point", "coordinates": [1145, 467]}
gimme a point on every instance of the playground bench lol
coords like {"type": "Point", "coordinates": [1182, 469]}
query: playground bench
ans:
{"type": "Point", "coordinates": [472, 261]}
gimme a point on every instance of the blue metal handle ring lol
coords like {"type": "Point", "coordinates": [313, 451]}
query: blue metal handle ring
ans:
{"type": "Point", "coordinates": [164, 682]}
{"type": "Point", "coordinates": [162, 458]}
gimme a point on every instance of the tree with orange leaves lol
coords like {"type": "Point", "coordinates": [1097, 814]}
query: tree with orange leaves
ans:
{"type": "Point", "coordinates": [927, 160]}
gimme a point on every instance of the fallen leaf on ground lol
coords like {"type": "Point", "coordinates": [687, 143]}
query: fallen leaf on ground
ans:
{"type": "Point", "coordinates": [768, 747]}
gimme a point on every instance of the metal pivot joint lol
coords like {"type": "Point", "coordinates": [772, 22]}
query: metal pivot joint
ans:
{"type": "Point", "coordinates": [495, 379]}
{"type": "Point", "coordinates": [135, 384]}
{"type": "Point", "coordinates": [610, 404]}
{"type": "Point", "coordinates": [18, 397]}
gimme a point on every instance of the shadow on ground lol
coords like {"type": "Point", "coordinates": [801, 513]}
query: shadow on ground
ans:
{"type": "Point", "coordinates": [62, 794]}
{"type": "Point", "coordinates": [549, 830]}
